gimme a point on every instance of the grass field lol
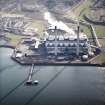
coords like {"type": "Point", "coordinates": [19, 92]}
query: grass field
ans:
{"type": "Point", "coordinates": [100, 59]}
{"type": "Point", "coordinates": [79, 9]}
{"type": "Point", "coordinates": [82, 9]}
{"type": "Point", "coordinates": [39, 25]}
{"type": "Point", "coordinates": [14, 39]}
{"type": "Point", "coordinates": [86, 30]}
{"type": "Point", "coordinates": [100, 30]}
{"type": "Point", "coordinates": [102, 42]}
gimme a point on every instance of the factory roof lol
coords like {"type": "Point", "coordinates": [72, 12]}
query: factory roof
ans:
{"type": "Point", "coordinates": [66, 37]}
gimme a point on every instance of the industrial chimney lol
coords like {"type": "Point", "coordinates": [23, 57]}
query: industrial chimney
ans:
{"type": "Point", "coordinates": [78, 32]}
{"type": "Point", "coordinates": [56, 33]}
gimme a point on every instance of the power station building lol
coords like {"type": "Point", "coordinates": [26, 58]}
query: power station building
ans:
{"type": "Point", "coordinates": [59, 42]}
{"type": "Point", "coordinates": [57, 45]}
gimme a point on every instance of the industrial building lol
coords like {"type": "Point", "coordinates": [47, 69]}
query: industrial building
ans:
{"type": "Point", "coordinates": [59, 42]}
{"type": "Point", "coordinates": [57, 46]}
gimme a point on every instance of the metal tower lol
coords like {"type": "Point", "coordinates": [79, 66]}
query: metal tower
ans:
{"type": "Point", "coordinates": [56, 33]}
{"type": "Point", "coordinates": [78, 32]}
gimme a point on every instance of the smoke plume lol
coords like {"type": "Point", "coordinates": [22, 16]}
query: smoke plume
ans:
{"type": "Point", "coordinates": [60, 25]}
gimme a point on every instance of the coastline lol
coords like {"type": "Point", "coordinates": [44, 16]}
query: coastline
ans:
{"type": "Point", "coordinates": [50, 63]}
{"type": "Point", "coordinates": [56, 64]}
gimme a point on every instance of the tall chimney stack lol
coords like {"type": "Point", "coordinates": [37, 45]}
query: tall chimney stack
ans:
{"type": "Point", "coordinates": [78, 32]}
{"type": "Point", "coordinates": [56, 33]}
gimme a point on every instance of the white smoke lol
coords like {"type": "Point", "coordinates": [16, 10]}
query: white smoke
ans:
{"type": "Point", "coordinates": [60, 25]}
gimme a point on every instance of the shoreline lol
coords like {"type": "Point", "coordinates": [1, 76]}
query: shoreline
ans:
{"type": "Point", "coordinates": [56, 64]}
{"type": "Point", "coordinates": [50, 64]}
{"type": "Point", "coordinates": [8, 46]}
